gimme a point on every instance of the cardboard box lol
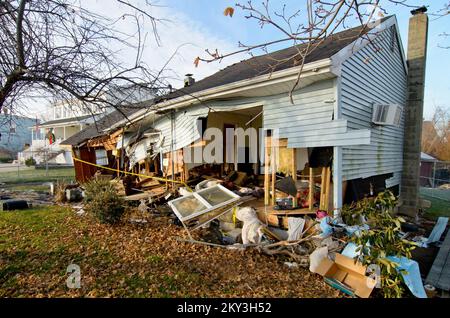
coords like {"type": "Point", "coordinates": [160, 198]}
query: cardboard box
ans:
{"type": "Point", "coordinates": [349, 274]}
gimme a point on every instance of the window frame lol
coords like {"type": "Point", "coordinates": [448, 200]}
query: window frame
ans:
{"type": "Point", "coordinates": [209, 207]}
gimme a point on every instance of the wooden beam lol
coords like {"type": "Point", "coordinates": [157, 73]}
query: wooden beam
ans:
{"type": "Point", "coordinates": [322, 188]}
{"type": "Point", "coordinates": [266, 172]}
{"type": "Point", "coordinates": [327, 189]}
{"type": "Point", "coordinates": [311, 189]}
{"type": "Point", "coordinates": [273, 167]}
{"type": "Point", "coordinates": [294, 164]}
{"type": "Point", "coordinates": [294, 171]}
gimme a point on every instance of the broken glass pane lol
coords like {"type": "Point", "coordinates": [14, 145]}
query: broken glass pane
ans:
{"type": "Point", "coordinates": [188, 205]}
{"type": "Point", "coordinates": [215, 195]}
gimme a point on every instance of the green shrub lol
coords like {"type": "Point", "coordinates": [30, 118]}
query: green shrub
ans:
{"type": "Point", "coordinates": [381, 240]}
{"type": "Point", "coordinates": [5, 160]}
{"type": "Point", "coordinates": [103, 202]}
{"type": "Point", "coordinates": [30, 162]}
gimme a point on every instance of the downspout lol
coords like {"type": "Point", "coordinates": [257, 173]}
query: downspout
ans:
{"type": "Point", "coordinates": [337, 156]}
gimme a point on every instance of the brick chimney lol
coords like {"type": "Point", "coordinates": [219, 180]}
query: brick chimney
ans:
{"type": "Point", "coordinates": [417, 53]}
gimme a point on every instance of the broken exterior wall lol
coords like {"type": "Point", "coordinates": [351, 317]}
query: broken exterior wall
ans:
{"type": "Point", "coordinates": [84, 172]}
{"type": "Point", "coordinates": [184, 126]}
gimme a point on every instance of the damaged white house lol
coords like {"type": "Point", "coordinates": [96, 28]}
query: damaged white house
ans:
{"type": "Point", "coordinates": [343, 129]}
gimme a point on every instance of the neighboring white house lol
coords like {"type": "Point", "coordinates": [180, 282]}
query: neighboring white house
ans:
{"type": "Point", "coordinates": [65, 121]}
{"type": "Point", "coordinates": [68, 118]}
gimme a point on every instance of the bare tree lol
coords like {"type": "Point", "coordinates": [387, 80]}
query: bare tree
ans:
{"type": "Point", "coordinates": [445, 11]}
{"type": "Point", "coordinates": [59, 48]}
{"type": "Point", "coordinates": [307, 25]}
{"type": "Point", "coordinates": [436, 134]}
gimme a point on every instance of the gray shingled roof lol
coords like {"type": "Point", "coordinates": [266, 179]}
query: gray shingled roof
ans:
{"type": "Point", "coordinates": [265, 64]}
{"type": "Point", "coordinates": [96, 129]}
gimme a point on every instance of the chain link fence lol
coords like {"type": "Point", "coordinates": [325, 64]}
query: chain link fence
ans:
{"type": "Point", "coordinates": [435, 181]}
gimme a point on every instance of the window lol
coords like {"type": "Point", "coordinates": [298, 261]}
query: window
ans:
{"type": "Point", "coordinates": [202, 202]}
{"type": "Point", "coordinates": [101, 157]}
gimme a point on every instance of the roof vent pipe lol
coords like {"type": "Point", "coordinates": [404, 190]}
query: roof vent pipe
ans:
{"type": "Point", "coordinates": [188, 80]}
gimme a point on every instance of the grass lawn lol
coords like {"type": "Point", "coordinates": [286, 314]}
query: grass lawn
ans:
{"type": "Point", "coordinates": [438, 208]}
{"type": "Point", "coordinates": [440, 202]}
{"type": "Point", "coordinates": [127, 260]}
{"type": "Point", "coordinates": [37, 175]}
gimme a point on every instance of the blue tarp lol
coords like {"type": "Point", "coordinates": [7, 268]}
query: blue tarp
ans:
{"type": "Point", "coordinates": [412, 278]}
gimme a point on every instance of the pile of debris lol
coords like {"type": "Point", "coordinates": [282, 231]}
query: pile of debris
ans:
{"type": "Point", "coordinates": [225, 213]}
{"type": "Point", "coordinates": [231, 212]}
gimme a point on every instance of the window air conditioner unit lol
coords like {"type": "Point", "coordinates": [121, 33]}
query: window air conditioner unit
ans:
{"type": "Point", "coordinates": [387, 114]}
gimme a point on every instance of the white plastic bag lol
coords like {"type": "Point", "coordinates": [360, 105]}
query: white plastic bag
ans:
{"type": "Point", "coordinates": [316, 258]}
{"type": "Point", "coordinates": [252, 229]}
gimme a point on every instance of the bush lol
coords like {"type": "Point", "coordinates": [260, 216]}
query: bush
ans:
{"type": "Point", "coordinates": [30, 162]}
{"type": "Point", "coordinates": [103, 202]}
{"type": "Point", "coordinates": [383, 239]}
{"type": "Point", "coordinates": [5, 160]}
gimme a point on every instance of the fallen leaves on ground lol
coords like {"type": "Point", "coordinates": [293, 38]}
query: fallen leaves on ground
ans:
{"type": "Point", "coordinates": [130, 260]}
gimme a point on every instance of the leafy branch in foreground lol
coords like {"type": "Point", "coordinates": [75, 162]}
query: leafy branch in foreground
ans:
{"type": "Point", "coordinates": [382, 240]}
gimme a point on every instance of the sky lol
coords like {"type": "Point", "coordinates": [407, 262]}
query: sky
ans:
{"type": "Point", "coordinates": [191, 26]}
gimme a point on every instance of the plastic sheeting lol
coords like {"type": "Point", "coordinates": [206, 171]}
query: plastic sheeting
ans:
{"type": "Point", "coordinates": [325, 226]}
{"type": "Point", "coordinates": [316, 257]}
{"type": "Point", "coordinates": [412, 278]}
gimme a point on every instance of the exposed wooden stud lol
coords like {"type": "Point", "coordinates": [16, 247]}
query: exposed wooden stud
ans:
{"type": "Point", "coordinates": [266, 172]}
{"type": "Point", "coordinates": [294, 170]}
{"type": "Point", "coordinates": [311, 189]}
{"type": "Point", "coordinates": [274, 169]}
{"type": "Point", "coordinates": [322, 188]}
{"type": "Point", "coordinates": [327, 189]}
{"type": "Point", "coordinates": [294, 164]}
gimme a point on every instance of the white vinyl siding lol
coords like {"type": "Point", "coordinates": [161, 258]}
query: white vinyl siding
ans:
{"type": "Point", "coordinates": [185, 127]}
{"type": "Point", "coordinates": [374, 76]}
